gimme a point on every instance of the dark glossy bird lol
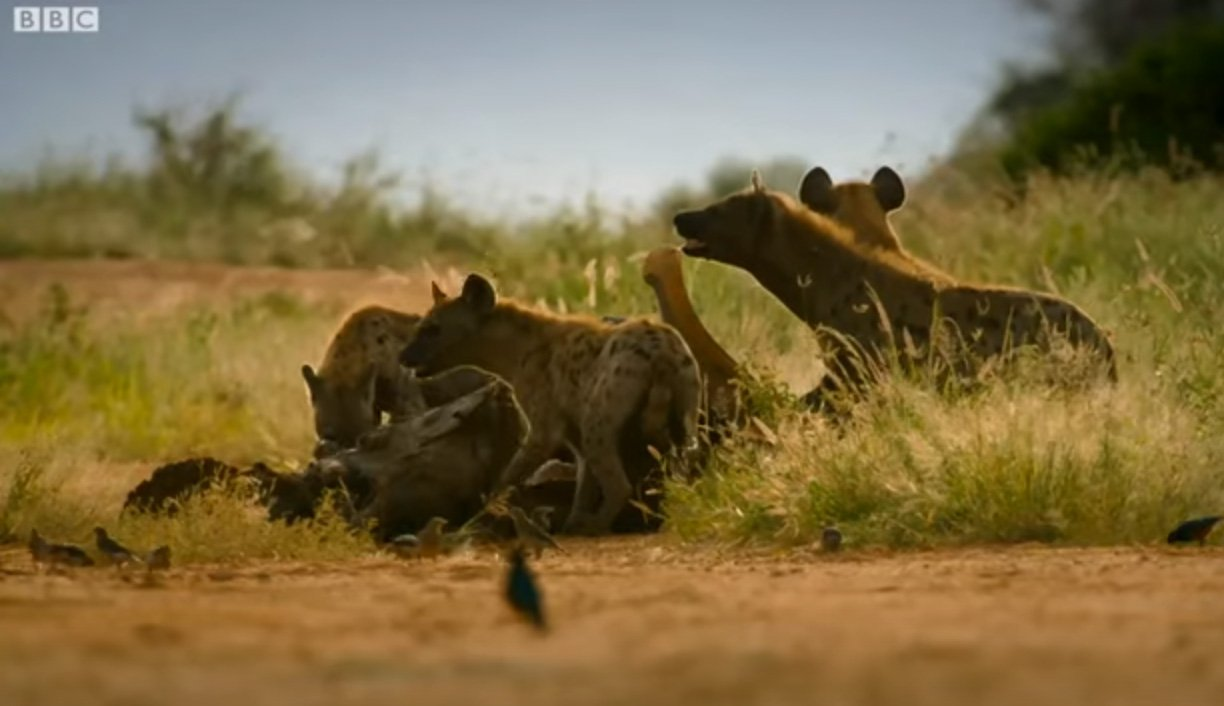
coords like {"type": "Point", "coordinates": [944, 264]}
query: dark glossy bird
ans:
{"type": "Point", "coordinates": [112, 550]}
{"type": "Point", "coordinates": [40, 551]}
{"type": "Point", "coordinates": [1195, 530]}
{"type": "Point", "coordinates": [158, 559]}
{"type": "Point", "coordinates": [69, 555]}
{"type": "Point", "coordinates": [531, 535]}
{"type": "Point", "coordinates": [521, 591]}
{"type": "Point", "coordinates": [830, 539]}
{"type": "Point", "coordinates": [44, 552]}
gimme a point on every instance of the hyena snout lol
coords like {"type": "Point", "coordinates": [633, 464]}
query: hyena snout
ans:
{"type": "Point", "coordinates": [688, 223]}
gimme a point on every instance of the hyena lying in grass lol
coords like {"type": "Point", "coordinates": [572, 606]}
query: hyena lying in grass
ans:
{"type": "Point", "coordinates": [869, 303]}
{"type": "Point", "coordinates": [864, 207]}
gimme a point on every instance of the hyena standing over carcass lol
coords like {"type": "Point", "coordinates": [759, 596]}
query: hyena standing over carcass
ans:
{"type": "Point", "coordinates": [581, 381]}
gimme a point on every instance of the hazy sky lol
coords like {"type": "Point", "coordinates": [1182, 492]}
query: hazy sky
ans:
{"type": "Point", "coordinates": [514, 101]}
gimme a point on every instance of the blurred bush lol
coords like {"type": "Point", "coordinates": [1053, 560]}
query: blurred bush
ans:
{"type": "Point", "coordinates": [1123, 83]}
{"type": "Point", "coordinates": [1164, 104]}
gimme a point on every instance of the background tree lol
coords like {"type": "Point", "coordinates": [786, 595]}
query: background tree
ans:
{"type": "Point", "coordinates": [728, 175]}
{"type": "Point", "coordinates": [1121, 76]}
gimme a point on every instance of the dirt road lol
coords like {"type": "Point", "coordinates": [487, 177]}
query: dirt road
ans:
{"type": "Point", "coordinates": [159, 287]}
{"type": "Point", "coordinates": [637, 621]}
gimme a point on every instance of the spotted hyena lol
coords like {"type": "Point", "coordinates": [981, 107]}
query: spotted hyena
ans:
{"type": "Point", "coordinates": [582, 382]}
{"type": "Point", "coordinates": [360, 377]}
{"type": "Point", "coordinates": [863, 208]}
{"type": "Point", "coordinates": [870, 302]}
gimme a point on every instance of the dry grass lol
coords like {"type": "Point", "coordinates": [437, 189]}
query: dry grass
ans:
{"type": "Point", "coordinates": [88, 385]}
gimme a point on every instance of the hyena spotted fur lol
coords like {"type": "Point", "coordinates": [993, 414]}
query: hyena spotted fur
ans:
{"type": "Point", "coordinates": [582, 382]}
{"type": "Point", "coordinates": [875, 301]}
{"type": "Point", "coordinates": [360, 377]}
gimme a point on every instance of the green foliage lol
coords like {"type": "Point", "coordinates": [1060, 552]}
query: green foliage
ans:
{"type": "Point", "coordinates": [126, 391]}
{"type": "Point", "coordinates": [1163, 105]}
{"type": "Point", "coordinates": [215, 187]}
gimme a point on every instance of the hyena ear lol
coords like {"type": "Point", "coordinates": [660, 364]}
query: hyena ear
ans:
{"type": "Point", "coordinates": [816, 191]}
{"type": "Point", "coordinates": [313, 381]}
{"type": "Point", "coordinates": [758, 184]}
{"type": "Point", "coordinates": [479, 294]}
{"type": "Point", "coordinates": [438, 295]}
{"type": "Point", "coordinates": [889, 189]}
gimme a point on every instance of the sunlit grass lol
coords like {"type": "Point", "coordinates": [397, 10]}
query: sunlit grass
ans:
{"type": "Point", "coordinates": [225, 524]}
{"type": "Point", "coordinates": [1016, 461]}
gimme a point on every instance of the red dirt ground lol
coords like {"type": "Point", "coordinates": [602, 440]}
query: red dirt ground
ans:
{"type": "Point", "coordinates": [636, 621]}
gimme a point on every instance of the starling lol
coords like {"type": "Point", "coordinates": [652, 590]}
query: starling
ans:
{"type": "Point", "coordinates": [521, 591]}
{"type": "Point", "coordinates": [112, 550]}
{"type": "Point", "coordinates": [44, 552]}
{"type": "Point", "coordinates": [406, 546]}
{"type": "Point", "coordinates": [424, 544]}
{"type": "Point", "coordinates": [430, 538]}
{"type": "Point", "coordinates": [40, 551]}
{"type": "Point", "coordinates": [542, 516]}
{"type": "Point", "coordinates": [830, 539]}
{"type": "Point", "coordinates": [1195, 530]}
{"type": "Point", "coordinates": [158, 559]}
{"type": "Point", "coordinates": [531, 535]}
{"type": "Point", "coordinates": [68, 555]}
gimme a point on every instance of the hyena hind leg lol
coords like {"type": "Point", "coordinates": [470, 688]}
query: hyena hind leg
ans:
{"type": "Point", "coordinates": [611, 406]}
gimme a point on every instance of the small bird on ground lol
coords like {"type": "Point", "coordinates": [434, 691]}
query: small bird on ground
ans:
{"type": "Point", "coordinates": [542, 516]}
{"type": "Point", "coordinates": [430, 538]}
{"type": "Point", "coordinates": [1195, 530]}
{"type": "Point", "coordinates": [531, 535]}
{"type": "Point", "coordinates": [521, 591]}
{"type": "Point", "coordinates": [158, 559]}
{"type": "Point", "coordinates": [405, 546]}
{"type": "Point", "coordinates": [39, 549]}
{"type": "Point", "coordinates": [112, 550]}
{"type": "Point", "coordinates": [830, 539]}
{"type": "Point", "coordinates": [426, 544]}
{"type": "Point", "coordinates": [44, 552]}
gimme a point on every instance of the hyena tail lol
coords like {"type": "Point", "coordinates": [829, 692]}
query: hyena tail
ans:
{"type": "Point", "coordinates": [669, 414]}
{"type": "Point", "coordinates": [656, 411]}
{"type": "Point", "coordinates": [686, 404]}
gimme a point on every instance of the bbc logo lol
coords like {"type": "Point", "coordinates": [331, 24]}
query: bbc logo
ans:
{"type": "Point", "coordinates": [55, 19]}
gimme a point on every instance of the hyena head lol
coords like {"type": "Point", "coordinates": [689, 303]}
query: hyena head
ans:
{"type": "Point", "coordinates": [448, 334]}
{"type": "Point", "coordinates": [343, 410]}
{"type": "Point", "coordinates": [738, 230]}
{"type": "Point", "coordinates": [853, 200]}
